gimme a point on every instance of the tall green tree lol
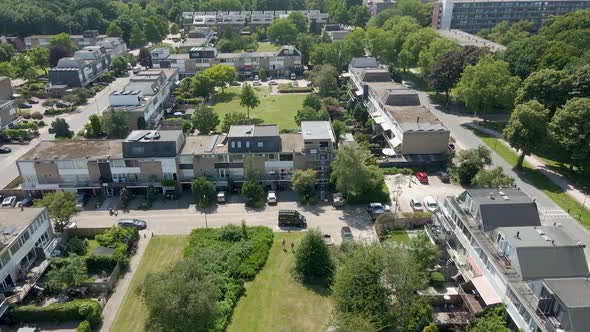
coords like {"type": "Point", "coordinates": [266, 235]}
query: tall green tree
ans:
{"type": "Point", "coordinates": [61, 207]}
{"type": "Point", "coordinates": [205, 120]}
{"type": "Point", "coordinates": [487, 85]}
{"type": "Point", "coordinates": [145, 57]}
{"type": "Point", "coordinates": [93, 128]}
{"type": "Point", "coordinates": [425, 253]}
{"type": "Point", "coordinates": [39, 57]}
{"type": "Point", "coordinates": [203, 190]}
{"type": "Point", "coordinates": [248, 98]}
{"type": "Point", "coordinates": [282, 32]}
{"type": "Point", "coordinates": [527, 128]}
{"type": "Point", "coordinates": [57, 52]}
{"type": "Point", "coordinates": [234, 119]}
{"type": "Point", "coordinates": [492, 178]}
{"type": "Point", "coordinates": [71, 271]}
{"type": "Point", "coordinates": [309, 114]}
{"type": "Point", "coordinates": [550, 87]}
{"type": "Point", "coordinates": [221, 74]}
{"type": "Point", "coordinates": [64, 40]}
{"type": "Point", "coordinates": [313, 260]}
{"type": "Point", "coordinates": [119, 64]}
{"type": "Point", "coordinates": [523, 55]}
{"type": "Point", "coordinates": [115, 123]}
{"type": "Point", "coordinates": [61, 128]}
{"type": "Point", "coordinates": [114, 30]}
{"type": "Point", "coordinates": [570, 127]}
{"type": "Point", "coordinates": [137, 36]}
{"type": "Point", "coordinates": [304, 181]}
{"type": "Point", "coordinates": [298, 20]}
{"type": "Point", "coordinates": [353, 171]}
{"type": "Point", "coordinates": [202, 85]}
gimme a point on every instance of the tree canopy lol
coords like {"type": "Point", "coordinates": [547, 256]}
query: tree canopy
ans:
{"type": "Point", "coordinates": [527, 128]}
{"type": "Point", "coordinates": [61, 207]}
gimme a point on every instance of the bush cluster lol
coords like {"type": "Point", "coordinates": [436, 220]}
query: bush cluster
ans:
{"type": "Point", "coordinates": [288, 88]}
{"type": "Point", "coordinates": [84, 327]}
{"type": "Point", "coordinates": [83, 309]}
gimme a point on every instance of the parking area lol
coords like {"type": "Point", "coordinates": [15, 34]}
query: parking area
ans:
{"type": "Point", "coordinates": [404, 188]}
{"type": "Point", "coordinates": [181, 216]}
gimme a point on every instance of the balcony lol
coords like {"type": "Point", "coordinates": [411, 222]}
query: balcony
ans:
{"type": "Point", "coordinates": [23, 287]}
{"type": "Point", "coordinates": [471, 298]}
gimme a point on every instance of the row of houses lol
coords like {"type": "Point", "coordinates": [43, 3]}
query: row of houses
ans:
{"type": "Point", "coordinates": [87, 64]}
{"type": "Point", "coordinates": [504, 249]}
{"type": "Point", "coordinates": [87, 38]}
{"type": "Point", "coordinates": [407, 130]}
{"type": "Point", "coordinates": [8, 113]}
{"type": "Point", "coordinates": [146, 157]}
{"type": "Point", "coordinates": [237, 20]}
{"type": "Point", "coordinates": [283, 62]}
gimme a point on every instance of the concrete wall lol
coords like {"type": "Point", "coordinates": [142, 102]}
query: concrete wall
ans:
{"type": "Point", "coordinates": [151, 169]}
{"type": "Point", "coordinates": [204, 166]}
{"type": "Point", "coordinates": [298, 161]}
{"type": "Point", "coordinates": [93, 172]}
{"type": "Point", "coordinates": [425, 142]}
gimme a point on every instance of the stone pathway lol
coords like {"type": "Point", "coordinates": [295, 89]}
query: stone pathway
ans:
{"type": "Point", "coordinates": [116, 300]}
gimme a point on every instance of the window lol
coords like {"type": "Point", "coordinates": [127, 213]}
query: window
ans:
{"type": "Point", "coordinates": [131, 163]}
{"type": "Point", "coordinates": [286, 157]}
{"type": "Point", "coordinates": [233, 144]}
{"type": "Point", "coordinates": [118, 163]}
{"type": "Point", "coordinates": [239, 144]}
{"type": "Point", "coordinates": [15, 247]}
{"type": "Point", "coordinates": [271, 156]}
{"type": "Point", "coordinates": [5, 258]}
{"type": "Point", "coordinates": [65, 164]}
{"type": "Point", "coordinates": [247, 144]}
{"type": "Point", "coordinates": [137, 149]}
{"type": "Point", "coordinates": [260, 144]}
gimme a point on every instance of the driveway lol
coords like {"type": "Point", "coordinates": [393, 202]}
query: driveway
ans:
{"type": "Point", "coordinates": [178, 217]}
{"type": "Point", "coordinates": [402, 190]}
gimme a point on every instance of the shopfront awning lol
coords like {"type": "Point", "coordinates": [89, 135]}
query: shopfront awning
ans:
{"type": "Point", "coordinates": [485, 290]}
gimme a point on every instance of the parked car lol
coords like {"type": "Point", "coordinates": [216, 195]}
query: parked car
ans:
{"type": "Point", "coordinates": [221, 197]}
{"type": "Point", "coordinates": [416, 205]}
{"type": "Point", "coordinates": [422, 177]}
{"type": "Point", "coordinates": [33, 100]}
{"type": "Point", "coordinates": [27, 201]}
{"type": "Point", "coordinates": [293, 76]}
{"type": "Point", "coordinates": [430, 203]}
{"type": "Point", "coordinates": [328, 240]}
{"type": "Point", "coordinates": [338, 199]}
{"type": "Point", "coordinates": [71, 224]}
{"type": "Point", "coordinates": [256, 78]}
{"type": "Point", "coordinates": [273, 82]}
{"type": "Point", "coordinates": [444, 177]}
{"type": "Point", "coordinates": [62, 104]}
{"type": "Point", "coordinates": [25, 105]}
{"type": "Point", "coordinates": [9, 201]}
{"type": "Point", "coordinates": [271, 198]}
{"type": "Point", "coordinates": [377, 209]}
{"type": "Point", "coordinates": [51, 130]}
{"type": "Point", "coordinates": [346, 233]}
{"type": "Point", "coordinates": [81, 200]}
{"type": "Point", "coordinates": [291, 218]}
{"type": "Point", "coordinates": [295, 84]}
{"type": "Point", "coordinates": [5, 149]}
{"type": "Point", "coordinates": [137, 223]}
{"type": "Point", "coordinates": [256, 83]}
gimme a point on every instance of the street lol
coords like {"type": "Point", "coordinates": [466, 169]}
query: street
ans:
{"type": "Point", "coordinates": [76, 120]}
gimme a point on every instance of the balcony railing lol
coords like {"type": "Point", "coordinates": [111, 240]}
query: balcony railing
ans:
{"type": "Point", "coordinates": [23, 289]}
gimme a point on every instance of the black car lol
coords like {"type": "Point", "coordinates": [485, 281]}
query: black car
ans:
{"type": "Point", "coordinates": [346, 233]}
{"type": "Point", "coordinates": [139, 224]}
{"type": "Point", "coordinates": [27, 201]}
{"type": "Point", "coordinates": [444, 177]}
{"type": "Point", "coordinates": [5, 149]}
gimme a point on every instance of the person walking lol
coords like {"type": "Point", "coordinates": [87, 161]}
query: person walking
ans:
{"type": "Point", "coordinates": [293, 247]}
{"type": "Point", "coordinates": [284, 245]}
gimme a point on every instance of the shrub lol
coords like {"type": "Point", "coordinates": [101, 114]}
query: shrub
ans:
{"type": "Point", "coordinates": [261, 240]}
{"type": "Point", "coordinates": [96, 264]}
{"type": "Point", "coordinates": [145, 205]}
{"type": "Point", "coordinates": [76, 246]}
{"type": "Point", "coordinates": [395, 171]}
{"type": "Point", "coordinates": [84, 326]}
{"type": "Point", "coordinates": [37, 116]}
{"type": "Point", "coordinates": [313, 259]}
{"type": "Point", "coordinates": [117, 235]}
{"type": "Point", "coordinates": [436, 279]}
{"type": "Point", "coordinates": [288, 88]}
{"type": "Point", "coordinates": [26, 115]}
{"type": "Point", "coordinates": [83, 309]}
{"type": "Point", "coordinates": [231, 233]}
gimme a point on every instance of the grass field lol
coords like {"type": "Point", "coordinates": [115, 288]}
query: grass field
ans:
{"type": "Point", "coordinates": [273, 109]}
{"type": "Point", "coordinates": [160, 253]}
{"type": "Point", "coordinates": [399, 236]}
{"type": "Point", "coordinates": [274, 301]}
{"type": "Point", "coordinates": [539, 180]}
{"type": "Point", "coordinates": [267, 47]}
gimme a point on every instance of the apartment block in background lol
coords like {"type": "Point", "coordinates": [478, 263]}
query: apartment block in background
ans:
{"type": "Point", "coordinates": [474, 15]}
{"type": "Point", "coordinates": [87, 38]}
{"type": "Point", "coordinates": [7, 105]}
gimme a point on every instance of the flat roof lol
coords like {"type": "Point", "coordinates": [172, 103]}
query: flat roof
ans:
{"type": "Point", "coordinates": [165, 135]}
{"type": "Point", "coordinates": [75, 150]}
{"type": "Point", "coordinates": [291, 143]}
{"type": "Point", "coordinates": [495, 196]}
{"type": "Point", "coordinates": [203, 144]}
{"type": "Point", "coordinates": [415, 118]}
{"type": "Point", "coordinates": [317, 130]}
{"type": "Point", "coordinates": [253, 131]}
{"type": "Point", "coordinates": [13, 221]}
{"type": "Point", "coordinates": [536, 236]}
{"type": "Point", "coordinates": [466, 39]}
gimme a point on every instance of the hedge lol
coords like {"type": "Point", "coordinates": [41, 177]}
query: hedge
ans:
{"type": "Point", "coordinates": [83, 309]}
{"type": "Point", "coordinates": [84, 326]}
{"type": "Point", "coordinates": [288, 88]}
{"type": "Point", "coordinates": [96, 264]}
{"type": "Point", "coordinates": [261, 241]}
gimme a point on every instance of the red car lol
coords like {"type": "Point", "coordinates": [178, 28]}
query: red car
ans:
{"type": "Point", "coordinates": [422, 177]}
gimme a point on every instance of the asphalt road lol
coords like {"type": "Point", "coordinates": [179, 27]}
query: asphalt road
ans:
{"type": "Point", "coordinates": [76, 120]}
{"type": "Point", "coordinates": [181, 220]}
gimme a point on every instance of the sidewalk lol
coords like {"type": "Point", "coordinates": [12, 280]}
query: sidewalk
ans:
{"type": "Point", "coordinates": [555, 177]}
{"type": "Point", "coordinates": [116, 300]}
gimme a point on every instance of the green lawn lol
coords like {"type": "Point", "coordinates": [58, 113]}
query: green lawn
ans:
{"type": "Point", "coordinates": [273, 109]}
{"type": "Point", "coordinates": [92, 244]}
{"type": "Point", "coordinates": [274, 301]}
{"type": "Point", "coordinates": [267, 47]}
{"type": "Point", "coordinates": [539, 180]}
{"type": "Point", "coordinates": [399, 236]}
{"type": "Point", "coordinates": [160, 253]}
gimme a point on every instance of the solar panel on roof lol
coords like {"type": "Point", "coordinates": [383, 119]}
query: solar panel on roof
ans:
{"type": "Point", "coordinates": [211, 145]}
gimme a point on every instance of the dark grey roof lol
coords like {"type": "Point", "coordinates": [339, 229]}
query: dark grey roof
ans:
{"type": "Point", "coordinates": [551, 262]}
{"type": "Point", "coordinates": [103, 251]}
{"type": "Point", "coordinates": [364, 62]}
{"type": "Point", "coordinates": [505, 208]}
{"type": "Point", "coordinates": [375, 75]}
{"type": "Point", "coordinates": [574, 293]}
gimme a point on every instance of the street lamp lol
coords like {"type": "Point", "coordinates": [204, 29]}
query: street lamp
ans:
{"type": "Point", "coordinates": [205, 213]}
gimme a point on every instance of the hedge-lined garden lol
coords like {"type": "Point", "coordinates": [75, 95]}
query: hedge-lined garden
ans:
{"type": "Point", "coordinates": [216, 264]}
{"type": "Point", "coordinates": [77, 310]}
